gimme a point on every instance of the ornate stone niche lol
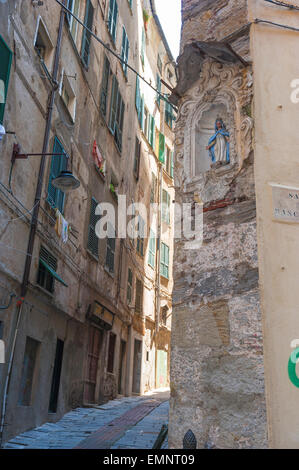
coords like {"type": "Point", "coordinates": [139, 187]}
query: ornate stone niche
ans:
{"type": "Point", "coordinates": [222, 91]}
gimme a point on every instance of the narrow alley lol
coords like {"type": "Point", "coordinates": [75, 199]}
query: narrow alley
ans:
{"type": "Point", "coordinates": [125, 423]}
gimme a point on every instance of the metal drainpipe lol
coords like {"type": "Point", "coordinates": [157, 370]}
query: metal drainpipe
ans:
{"type": "Point", "coordinates": [34, 218]}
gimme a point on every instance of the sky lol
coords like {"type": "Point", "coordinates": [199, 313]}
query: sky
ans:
{"type": "Point", "coordinates": [169, 12]}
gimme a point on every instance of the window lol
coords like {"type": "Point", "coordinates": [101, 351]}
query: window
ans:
{"type": "Point", "coordinates": [140, 236]}
{"type": "Point", "coordinates": [110, 252]}
{"type": "Point", "coordinates": [164, 268]}
{"type": "Point", "coordinates": [159, 63]}
{"type": "Point", "coordinates": [116, 114]}
{"type": "Point", "coordinates": [73, 6]}
{"type": "Point", "coordinates": [152, 250]}
{"type": "Point", "coordinates": [58, 164]}
{"type": "Point", "coordinates": [139, 297]}
{"type": "Point", "coordinates": [168, 160]}
{"type": "Point", "coordinates": [169, 116]}
{"type": "Point", "coordinates": [27, 377]}
{"type": "Point", "coordinates": [153, 188]}
{"type": "Point", "coordinates": [130, 3]}
{"type": "Point", "coordinates": [129, 286]}
{"type": "Point", "coordinates": [86, 36]}
{"type": "Point", "coordinates": [92, 239]}
{"type": "Point", "coordinates": [56, 377]}
{"type": "Point", "coordinates": [139, 102]}
{"type": "Point", "coordinates": [5, 61]}
{"type": "Point", "coordinates": [112, 18]}
{"type": "Point", "coordinates": [44, 277]}
{"type": "Point", "coordinates": [43, 44]}
{"type": "Point", "coordinates": [137, 158]}
{"type": "Point", "coordinates": [161, 148]}
{"type": "Point", "coordinates": [151, 131]}
{"type": "Point", "coordinates": [158, 97]}
{"type": "Point", "coordinates": [68, 96]}
{"type": "Point", "coordinates": [165, 206]}
{"type": "Point", "coordinates": [146, 122]}
{"type": "Point", "coordinates": [111, 350]}
{"type": "Point", "coordinates": [125, 51]}
{"type": "Point", "coordinates": [1, 329]}
{"type": "Point", "coordinates": [142, 53]}
{"type": "Point", "coordinates": [104, 87]}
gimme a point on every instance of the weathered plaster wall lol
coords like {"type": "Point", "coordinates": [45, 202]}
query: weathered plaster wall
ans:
{"type": "Point", "coordinates": [217, 371]}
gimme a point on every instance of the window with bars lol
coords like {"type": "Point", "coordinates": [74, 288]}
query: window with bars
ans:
{"type": "Point", "coordinates": [117, 109]}
{"type": "Point", "coordinates": [152, 250]}
{"type": "Point", "coordinates": [112, 18]}
{"type": "Point", "coordinates": [139, 296]}
{"type": "Point", "coordinates": [111, 351]}
{"type": "Point", "coordinates": [44, 276]}
{"type": "Point", "coordinates": [125, 51]}
{"type": "Point", "coordinates": [92, 239]}
{"type": "Point", "coordinates": [104, 86]}
{"type": "Point", "coordinates": [164, 265]}
{"type": "Point", "coordinates": [58, 163]}
{"type": "Point", "coordinates": [110, 250]}
{"type": "Point", "coordinates": [137, 158]}
{"type": "Point", "coordinates": [86, 36]}
{"type": "Point", "coordinates": [129, 286]}
{"type": "Point", "coordinates": [165, 206]}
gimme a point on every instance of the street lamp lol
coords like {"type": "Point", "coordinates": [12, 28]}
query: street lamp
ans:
{"type": "Point", "coordinates": [65, 181]}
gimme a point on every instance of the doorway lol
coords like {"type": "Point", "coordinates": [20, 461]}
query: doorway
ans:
{"type": "Point", "coordinates": [137, 366]}
{"type": "Point", "coordinates": [95, 338]}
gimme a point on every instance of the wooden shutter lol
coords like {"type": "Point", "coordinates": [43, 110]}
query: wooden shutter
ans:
{"type": "Point", "coordinates": [164, 271]}
{"type": "Point", "coordinates": [119, 121]}
{"type": "Point", "coordinates": [113, 105]}
{"type": "Point", "coordinates": [86, 37]}
{"type": "Point", "coordinates": [92, 240]}
{"type": "Point", "coordinates": [125, 50]}
{"type": "Point", "coordinates": [129, 286]}
{"type": "Point", "coordinates": [139, 296]}
{"type": "Point", "coordinates": [59, 163]}
{"type": "Point", "coordinates": [137, 157]}
{"type": "Point", "coordinates": [165, 206]}
{"type": "Point", "coordinates": [152, 131]}
{"type": "Point", "coordinates": [5, 61]}
{"type": "Point", "coordinates": [162, 148]}
{"type": "Point", "coordinates": [158, 89]}
{"type": "Point", "coordinates": [112, 18]}
{"type": "Point", "coordinates": [137, 97]}
{"type": "Point", "coordinates": [110, 254]}
{"type": "Point", "coordinates": [152, 249]}
{"type": "Point", "coordinates": [104, 89]}
{"type": "Point", "coordinates": [141, 112]}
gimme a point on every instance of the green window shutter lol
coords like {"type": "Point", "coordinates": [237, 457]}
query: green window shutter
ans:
{"type": "Point", "coordinates": [141, 112]}
{"type": "Point", "coordinates": [5, 66]}
{"type": "Point", "coordinates": [152, 132]}
{"type": "Point", "coordinates": [172, 165]}
{"type": "Point", "coordinates": [104, 88]}
{"type": "Point", "coordinates": [92, 239]}
{"type": "Point", "coordinates": [119, 122]}
{"type": "Point", "coordinates": [113, 105]}
{"type": "Point", "coordinates": [125, 50]}
{"type": "Point", "coordinates": [152, 249]}
{"type": "Point", "coordinates": [86, 37]}
{"type": "Point", "coordinates": [112, 18]}
{"type": "Point", "coordinates": [59, 163]}
{"type": "Point", "coordinates": [162, 148]}
{"type": "Point", "coordinates": [138, 96]}
{"type": "Point", "coordinates": [164, 269]}
{"type": "Point", "coordinates": [137, 157]}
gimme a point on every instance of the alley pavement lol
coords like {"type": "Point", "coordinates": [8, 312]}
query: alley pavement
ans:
{"type": "Point", "coordinates": [125, 423]}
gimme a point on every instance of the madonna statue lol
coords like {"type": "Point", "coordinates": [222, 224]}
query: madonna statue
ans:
{"type": "Point", "coordinates": [219, 144]}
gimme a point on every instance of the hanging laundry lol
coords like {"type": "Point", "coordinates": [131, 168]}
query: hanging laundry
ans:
{"type": "Point", "coordinates": [97, 156]}
{"type": "Point", "coordinates": [61, 226]}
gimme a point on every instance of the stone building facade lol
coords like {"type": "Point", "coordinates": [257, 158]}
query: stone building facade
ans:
{"type": "Point", "coordinates": [95, 320]}
{"type": "Point", "coordinates": [217, 368]}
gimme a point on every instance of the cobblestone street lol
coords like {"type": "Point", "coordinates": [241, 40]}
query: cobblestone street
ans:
{"type": "Point", "coordinates": [125, 423]}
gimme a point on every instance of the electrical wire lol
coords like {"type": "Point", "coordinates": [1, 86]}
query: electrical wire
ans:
{"type": "Point", "coordinates": [292, 28]}
{"type": "Point", "coordinates": [114, 53]}
{"type": "Point", "coordinates": [283, 4]}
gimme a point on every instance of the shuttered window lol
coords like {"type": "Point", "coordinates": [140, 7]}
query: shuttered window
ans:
{"type": "Point", "coordinates": [137, 158]}
{"type": "Point", "coordinates": [165, 206]}
{"type": "Point", "coordinates": [140, 237]}
{"type": "Point", "coordinates": [125, 50]}
{"type": "Point", "coordinates": [44, 277]}
{"type": "Point", "coordinates": [104, 87]}
{"type": "Point", "coordinates": [5, 66]}
{"type": "Point", "coordinates": [73, 6]}
{"type": "Point", "coordinates": [162, 148]}
{"type": "Point", "coordinates": [117, 110]}
{"type": "Point", "coordinates": [139, 103]}
{"type": "Point", "coordinates": [169, 116]}
{"type": "Point", "coordinates": [129, 286]}
{"type": "Point", "coordinates": [86, 37]}
{"type": "Point", "coordinates": [152, 250]}
{"type": "Point", "coordinates": [58, 164]}
{"type": "Point", "coordinates": [92, 239]}
{"type": "Point", "coordinates": [139, 296]}
{"type": "Point", "coordinates": [158, 98]}
{"type": "Point", "coordinates": [110, 251]}
{"type": "Point", "coordinates": [164, 267]}
{"type": "Point", "coordinates": [151, 136]}
{"type": "Point", "coordinates": [112, 18]}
